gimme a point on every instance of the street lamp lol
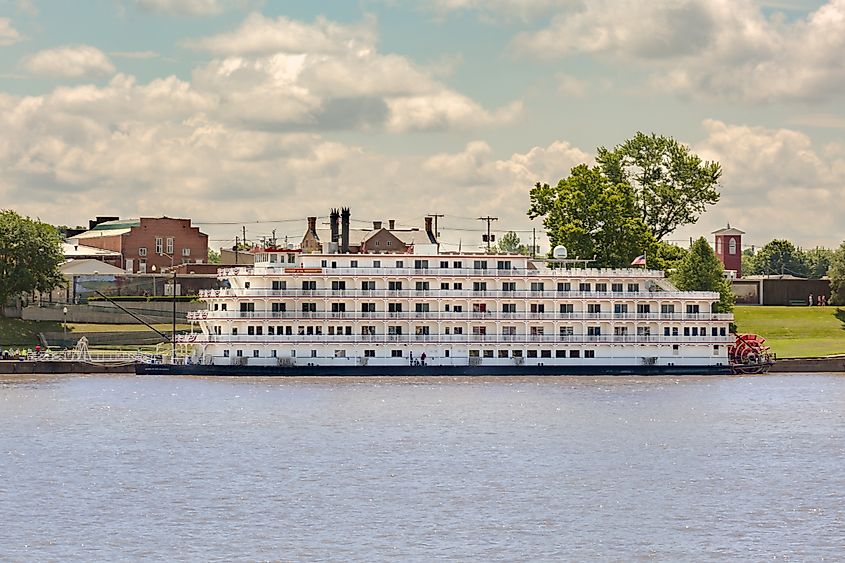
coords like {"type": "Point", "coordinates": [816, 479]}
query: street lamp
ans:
{"type": "Point", "coordinates": [64, 326]}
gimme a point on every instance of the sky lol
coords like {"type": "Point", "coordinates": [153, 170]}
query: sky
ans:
{"type": "Point", "coordinates": [261, 113]}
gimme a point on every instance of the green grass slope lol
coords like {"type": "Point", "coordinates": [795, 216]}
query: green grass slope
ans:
{"type": "Point", "coordinates": [795, 332]}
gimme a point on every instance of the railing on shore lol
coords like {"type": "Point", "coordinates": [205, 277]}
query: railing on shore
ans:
{"type": "Point", "coordinates": [92, 357]}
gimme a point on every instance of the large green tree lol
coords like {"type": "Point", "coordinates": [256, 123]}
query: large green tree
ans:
{"type": "Point", "coordinates": [592, 217]}
{"type": "Point", "coordinates": [779, 257]}
{"type": "Point", "coordinates": [818, 261]}
{"type": "Point", "coordinates": [701, 270]}
{"type": "Point", "coordinates": [836, 272]}
{"type": "Point", "coordinates": [671, 184]}
{"type": "Point", "coordinates": [30, 255]}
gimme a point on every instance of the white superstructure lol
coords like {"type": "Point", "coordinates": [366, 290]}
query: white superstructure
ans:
{"type": "Point", "coordinates": [296, 309]}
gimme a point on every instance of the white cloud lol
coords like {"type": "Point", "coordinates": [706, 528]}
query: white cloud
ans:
{"type": "Point", "coordinates": [499, 10]}
{"type": "Point", "coordinates": [775, 182]}
{"type": "Point", "coordinates": [182, 7]}
{"type": "Point", "coordinates": [8, 34]}
{"type": "Point", "coordinates": [135, 54]}
{"type": "Point", "coordinates": [706, 48]}
{"type": "Point", "coordinates": [281, 73]}
{"type": "Point", "coordinates": [259, 35]}
{"type": "Point", "coordinates": [70, 61]}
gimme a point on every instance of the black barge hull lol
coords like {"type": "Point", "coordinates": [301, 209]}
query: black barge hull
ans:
{"type": "Point", "coordinates": [421, 371]}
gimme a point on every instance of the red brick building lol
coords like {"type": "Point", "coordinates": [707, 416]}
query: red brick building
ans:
{"type": "Point", "coordinates": [149, 241]}
{"type": "Point", "coordinates": [729, 249]}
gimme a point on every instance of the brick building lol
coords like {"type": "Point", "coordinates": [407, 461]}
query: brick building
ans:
{"type": "Point", "coordinates": [729, 250]}
{"type": "Point", "coordinates": [148, 241]}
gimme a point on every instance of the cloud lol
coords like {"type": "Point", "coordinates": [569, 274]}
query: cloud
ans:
{"type": "Point", "coordinates": [8, 34]}
{"type": "Point", "coordinates": [259, 35]}
{"type": "Point", "coordinates": [182, 7]}
{"type": "Point", "coordinates": [723, 49]}
{"type": "Point", "coordinates": [135, 54]}
{"type": "Point", "coordinates": [282, 74]}
{"type": "Point", "coordinates": [775, 181]}
{"type": "Point", "coordinates": [499, 10]}
{"type": "Point", "coordinates": [70, 61]}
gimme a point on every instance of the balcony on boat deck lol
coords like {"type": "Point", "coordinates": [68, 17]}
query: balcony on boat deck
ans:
{"type": "Point", "coordinates": [456, 316]}
{"type": "Point", "coordinates": [198, 338]}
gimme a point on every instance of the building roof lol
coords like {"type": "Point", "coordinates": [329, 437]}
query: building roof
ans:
{"type": "Point", "coordinates": [119, 224]}
{"type": "Point", "coordinates": [103, 233]}
{"type": "Point", "coordinates": [73, 251]}
{"type": "Point", "coordinates": [88, 267]}
{"type": "Point", "coordinates": [728, 231]}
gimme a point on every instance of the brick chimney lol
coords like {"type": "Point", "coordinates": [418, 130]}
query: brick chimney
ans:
{"type": "Point", "coordinates": [376, 225]}
{"type": "Point", "coordinates": [344, 230]}
{"type": "Point", "coordinates": [391, 224]}
{"type": "Point", "coordinates": [312, 225]}
{"type": "Point", "coordinates": [429, 230]}
{"type": "Point", "coordinates": [334, 223]}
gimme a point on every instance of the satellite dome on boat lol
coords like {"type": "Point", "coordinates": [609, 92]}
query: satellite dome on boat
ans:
{"type": "Point", "coordinates": [560, 252]}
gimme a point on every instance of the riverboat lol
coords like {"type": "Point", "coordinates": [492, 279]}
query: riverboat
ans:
{"type": "Point", "coordinates": [425, 312]}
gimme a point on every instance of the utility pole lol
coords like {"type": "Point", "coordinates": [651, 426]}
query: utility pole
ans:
{"type": "Point", "coordinates": [489, 220]}
{"type": "Point", "coordinates": [244, 228]}
{"type": "Point", "coordinates": [236, 250]}
{"type": "Point", "coordinates": [533, 242]}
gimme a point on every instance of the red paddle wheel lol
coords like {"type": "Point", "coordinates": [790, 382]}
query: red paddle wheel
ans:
{"type": "Point", "coordinates": [749, 354]}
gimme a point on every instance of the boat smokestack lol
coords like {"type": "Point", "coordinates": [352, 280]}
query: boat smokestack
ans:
{"type": "Point", "coordinates": [344, 230]}
{"type": "Point", "coordinates": [334, 222]}
{"type": "Point", "coordinates": [429, 230]}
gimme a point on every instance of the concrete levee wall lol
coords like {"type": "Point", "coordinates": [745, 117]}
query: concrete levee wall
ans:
{"type": "Point", "coordinates": [107, 313]}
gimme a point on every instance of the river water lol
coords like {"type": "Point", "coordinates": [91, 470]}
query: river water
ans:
{"type": "Point", "coordinates": [615, 469]}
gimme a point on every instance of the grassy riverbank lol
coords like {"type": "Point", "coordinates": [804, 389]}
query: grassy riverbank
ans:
{"type": "Point", "coordinates": [795, 332]}
{"type": "Point", "coordinates": [20, 333]}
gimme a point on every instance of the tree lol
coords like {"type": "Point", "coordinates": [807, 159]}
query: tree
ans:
{"type": "Point", "coordinates": [213, 256]}
{"type": "Point", "coordinates": [511, 244]}
{"type": "Point", "coordinates": [592, 217]}
{"type": "Point", "coordinates": [748, 268]}
{"type": "Point", "coordinates": [30, 255]}
{"type": "Point", "coordinates": [701, 270]}
{"type": "Point", "coordinates": [836, 273]}
{"type": "Point", "coordinates": [780, 257]}
{"type": "Point", "coordinates": [665, 256]}
{"type": "Point", "coordinates": [672, 185]}
{"type": "Point", "coordinates": [817, 261]}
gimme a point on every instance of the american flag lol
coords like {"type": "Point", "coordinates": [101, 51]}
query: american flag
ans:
{"type": "Point", "coordinates": [639, 260]}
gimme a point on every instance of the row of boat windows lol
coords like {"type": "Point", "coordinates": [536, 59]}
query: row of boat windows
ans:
{"type": "Point", "coordinates": [618, 308]}
{"type": "Point", "coordinates": [424, 330]}
{"type": "Point", "coordinates": [399, 353]}
{"type": "Point", "coordinates": [426, 264]}
{"type": "Point", "coordinates": [340, 285]}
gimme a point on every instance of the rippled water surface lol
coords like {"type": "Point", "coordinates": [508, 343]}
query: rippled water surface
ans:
{"type": "Point", "coordinates": [107, 468]}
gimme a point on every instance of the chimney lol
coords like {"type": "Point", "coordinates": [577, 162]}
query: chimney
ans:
{"type": "Point", "coordinates": [344, 230]}
{"type": "Point", "coordinates": [334, 220]}
{"type": "Point", "coordinates": [376, 225]}
{"type": "Point", "coordinates": [429, 231]}
{"type": "Point", "coordinates": [312, 225]}
{"type": "Point", "coordinates": [391, 224]}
